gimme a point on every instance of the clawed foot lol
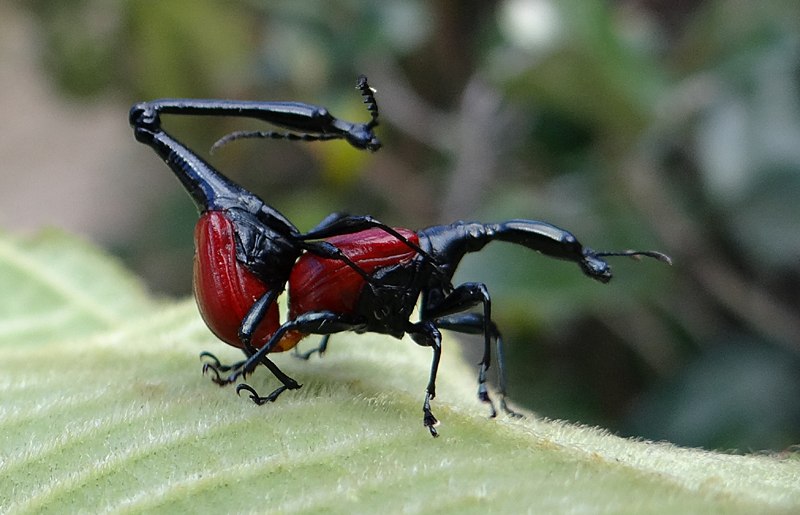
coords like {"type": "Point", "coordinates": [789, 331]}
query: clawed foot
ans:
{"type": "Point", "coordinates": [215, 363]}
{"type": "Point", "coordinates": [262, 400]}
{"type": "Point", "coordinates": [217, 379]}
{"type": "Point", "coordinates": [509, 411]}
{"type": "Point", "coordinates": [428, 420]}
{"type": "Point", "coordinates": [216, 367]}
{"type": "Point", "coordinates": [483, 395]}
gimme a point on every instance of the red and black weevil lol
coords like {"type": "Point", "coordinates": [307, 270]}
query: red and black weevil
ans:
{"type": "Point", "coordinates": [350, 273]}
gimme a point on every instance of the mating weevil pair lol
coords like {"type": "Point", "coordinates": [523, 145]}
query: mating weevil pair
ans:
{"type": "Point", "coordinates": [349, 273]}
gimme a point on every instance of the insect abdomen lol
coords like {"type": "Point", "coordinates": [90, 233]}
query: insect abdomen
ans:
{"type": "Point", "coordinates": [223, 287]}
{"type": "Point", "coordinates": [324, 284]}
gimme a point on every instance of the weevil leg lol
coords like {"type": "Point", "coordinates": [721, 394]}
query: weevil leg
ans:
{"type": "Point", "coordinates": [252, 320]}
{"type": "Point", "coordinates": [215, 364]}
{"type": "Point", "coordinates": [249, 325]}
{"type": "Point", "coordinates": [473, 323]}
{"type": "Point", "coordinates": [426, 334]}
{"type": "Point", "coordinates": [313, 322]}
{"type": "Point", "coordinates": [428, 420]}
{"type": "Point", "coordinates": [255, 397]}
{"type": "Point", "coordinates": [321, 348]}
{"type": "Point", "coordinates": [288, 384]}
{"type": "Point", "coordinates": [461, 299]}
{"type": "Point", "coordinates": [448, 313]}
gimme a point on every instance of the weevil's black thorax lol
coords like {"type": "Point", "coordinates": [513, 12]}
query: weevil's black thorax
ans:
{"type": "Point", "coordinates": [388, 302]}
{"type": "Point", "coordinates": [448, 244]}
{"type": "Point", "coordinates": [264, 245]}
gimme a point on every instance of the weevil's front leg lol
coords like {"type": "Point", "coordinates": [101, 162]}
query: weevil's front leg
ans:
{"type": "Point", "coordinates": [427, 335]}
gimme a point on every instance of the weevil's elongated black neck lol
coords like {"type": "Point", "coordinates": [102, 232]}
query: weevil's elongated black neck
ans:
{"type": "Point", "coordinates": [209, 189]}
{"type": "Point", "coordinates": [449, 243]}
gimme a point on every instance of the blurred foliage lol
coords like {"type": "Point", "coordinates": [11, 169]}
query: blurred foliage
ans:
{"type": "Point", "coordinates": [672, 125]}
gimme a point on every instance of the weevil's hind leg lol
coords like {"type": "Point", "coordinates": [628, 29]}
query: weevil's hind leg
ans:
{"type": "Point", "coordinates": [255, 397]}
{"type": "Point", "coordinates": [321, 348]}
{"type": "Point", "coordinates": [313, 322]}
{"type": "Point", "coordinates": [473, 323]}
{"type": "Point", "coordinates": [427, 335]}
{"type": "Point", "coordinates": [501, 372]}
{"type": "Point", "coordinates": [260, 401]}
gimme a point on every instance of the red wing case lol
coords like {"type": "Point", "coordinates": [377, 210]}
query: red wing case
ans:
{"type": "Point", "coordinates": [223, 287]}
{"type": "Point", "coordinates": [329, 285]}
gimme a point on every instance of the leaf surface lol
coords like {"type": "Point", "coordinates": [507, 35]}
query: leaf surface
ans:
{"type": "Point", "coordinates": [104, 409]}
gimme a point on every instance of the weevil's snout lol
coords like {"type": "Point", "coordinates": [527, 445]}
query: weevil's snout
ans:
{"type": "Point", "coordinates": [374, 144]}
{"type": "Point", "coordinates": [598, 269]}
{"type": "Point", "coordinates": [595, 267]}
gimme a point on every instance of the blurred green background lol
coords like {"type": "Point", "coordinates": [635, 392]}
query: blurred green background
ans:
{"type": "Point", "coordinates": [647, 124]}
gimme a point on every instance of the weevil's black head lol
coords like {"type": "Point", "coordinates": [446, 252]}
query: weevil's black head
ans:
{"type": "Point", "coordinates": [595, 267]}
{"type": "Point", "coordinates": [145, 122]}
{"type": "Point", "coordinates": [362, 137]}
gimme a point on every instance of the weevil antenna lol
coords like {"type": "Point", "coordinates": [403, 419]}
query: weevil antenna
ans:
{"type": "Point", "coordinates": [291, 136]}
{"type": "Point", "coordinates": [636, 253]}
{"type": "Point", "coordinates": [369, 99]}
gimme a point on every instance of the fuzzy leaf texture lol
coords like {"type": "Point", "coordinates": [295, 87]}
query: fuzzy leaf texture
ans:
{"type": "Point", "coordinates": [104, 410]}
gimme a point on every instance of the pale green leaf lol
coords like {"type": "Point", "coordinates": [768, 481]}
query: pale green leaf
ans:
{"type": "Point", "coordinates": [104, 409]}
